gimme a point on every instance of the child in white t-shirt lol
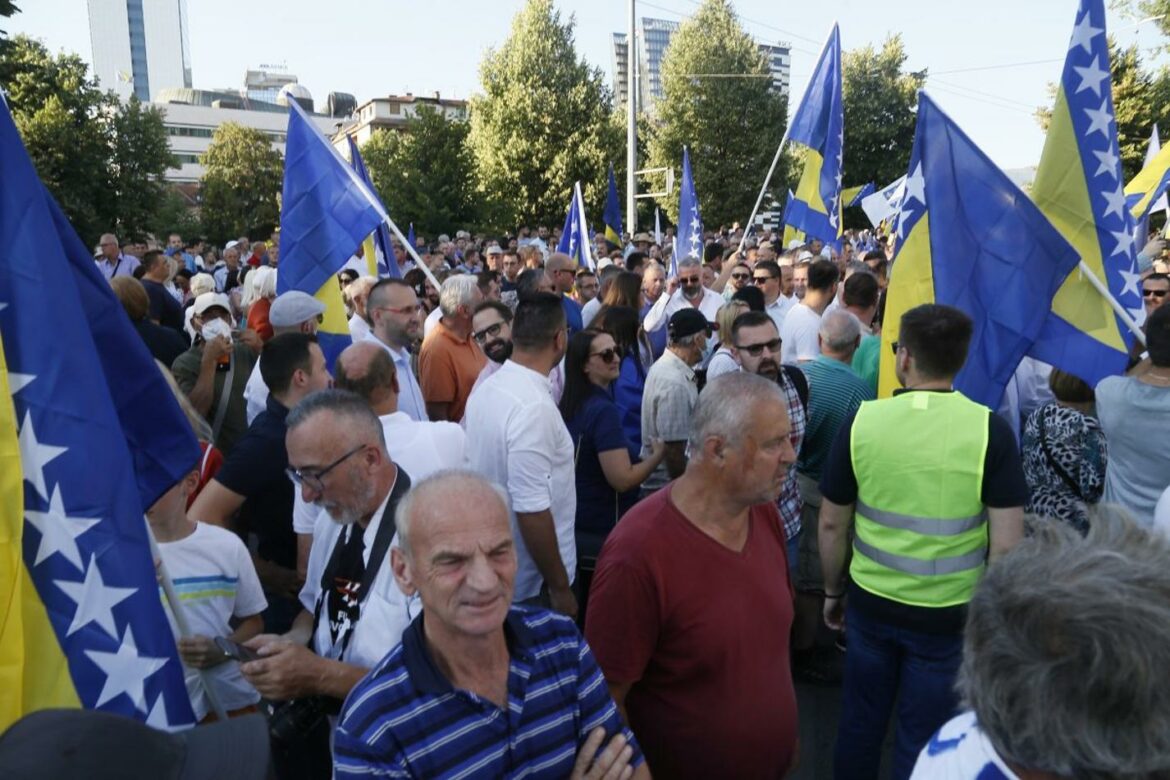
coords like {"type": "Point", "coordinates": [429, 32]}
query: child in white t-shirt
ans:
{"type": "Point", "coordinates": [217, 587]}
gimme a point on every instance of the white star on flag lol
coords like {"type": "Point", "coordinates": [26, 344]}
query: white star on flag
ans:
{"type": "Point", "coordinates": [1108, 163]}
{"type": "Point", "coordinates": [157, 717]}
{"type": "Point", "coordinates": [17, 382]}
{"type": "Point", "coordinates": [1099, 119]}
{"type": "Point", "coordinates": [915, 186]}
{"type": "Point", "coordinates": [126, 671]}
{"type": "Point", "coordinates": [1132, 280]}
{"type": "Point", "coordinates": [1084, 33]}
{"type": "Point", "coordinates": [1092, 76]}
{"type": "Point", "coordinates": [95, 600]}
{"type": "Point", "coordinates": [34, 456]}
{"type": "Point", "coordinates": [59, 532]}
{"type": "Point", "coordinates": [1115, 202]}
{"type": "Point", "coordinates": [1124, 242]}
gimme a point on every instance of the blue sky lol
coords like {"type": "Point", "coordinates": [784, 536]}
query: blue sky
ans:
{"type": "Point", "coordinates": [990, 61]}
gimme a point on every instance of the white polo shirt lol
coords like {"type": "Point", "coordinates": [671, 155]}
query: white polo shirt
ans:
{"type": "Point", "coordinates": [517, 439]}
{"type": "Point", "coordinates": [659, 314]}
{"type": "Point", "coordinates": [778, 309]}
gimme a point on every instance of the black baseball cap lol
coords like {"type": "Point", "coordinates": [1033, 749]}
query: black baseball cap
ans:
{"type": "Point", "coordinates": [687, 322]}
{"type": "Point", "coordinates": [102, 746]}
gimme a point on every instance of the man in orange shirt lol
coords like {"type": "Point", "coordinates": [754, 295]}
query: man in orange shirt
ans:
{"type": "Point", "coordinates": [450, 360]}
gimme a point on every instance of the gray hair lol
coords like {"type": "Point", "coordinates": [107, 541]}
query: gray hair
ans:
{"type": "Point", "coordinates": [725, 408]}
{"type": "Point", "coordinates": [1066, 649]}
{"type": "Point", "coordinates": [690, 261]}
{"type": "Point", "coordinates": [202, 283]}
{"type": "Point", "coordinates": [350, 407]}
{"type": "Point", "coordinates": [840, 330]}
{"type": "Point", "coordinates": [684, 341]}
{"type": "Point", "coordinates": [457, 291]}
{"type": "Point", "coordinates": [446, 482]}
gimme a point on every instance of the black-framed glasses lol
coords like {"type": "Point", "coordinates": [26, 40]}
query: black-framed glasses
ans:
{"type": "Point", "coordinates": [762, 279]}
{"type": "Point", "coordinates": [894, 345]}
{"type": "Point", "coordinates": [1154, 293]}
{"type": "Point", "coordinates": [608, 355]}
{"type": "Point", "coordinates": [755, 350]}
{"type": "Point", "coordinates": [490, 332]}
{"type": "Point", "coordinates": [313, 478]}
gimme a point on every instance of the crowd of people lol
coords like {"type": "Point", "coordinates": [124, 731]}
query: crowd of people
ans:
{"type": "Point", "coordinates": [552, 520]}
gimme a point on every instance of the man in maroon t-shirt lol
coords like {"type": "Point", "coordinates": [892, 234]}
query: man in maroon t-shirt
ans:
{"type": "Point", "coordinates": [690, 608]}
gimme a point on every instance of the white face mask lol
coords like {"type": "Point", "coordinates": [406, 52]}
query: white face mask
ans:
{"type": "Point", "coordinates": [214, 329]}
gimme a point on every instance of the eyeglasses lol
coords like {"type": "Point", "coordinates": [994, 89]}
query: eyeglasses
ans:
{"type": "Point", "coordinates": [313, 478]}
{"type": "Point", "coordinates": [762, 279]}
{"type": "Point", "coordinates": [689, 279]}
{"type": "Point", "coordinates": [490, 332]}
{"type": "Point", "coordinates": [400, 310]}
{"type": "Point", "coordinates": [755, 350]}
{"type": "Point", "coordinates": [1154, 293]}
{"type": "Point", "coordinates": [741, 276]}
{"type": "Point", "coordinates": [608, 355]}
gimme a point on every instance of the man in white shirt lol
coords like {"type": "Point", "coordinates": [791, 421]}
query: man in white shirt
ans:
{"type": "Point", "coordinates": [359, 293]}
{"type": "Point", "coordinates": [798, 335]}
{"type": "Point", "coordinates": [516, 438]}
{"type": "Point", "coordinates": [396, 317]}
{"type": "Point", "coordinates": [353, 612]}
{"type": "Point", "coordinates": [420, 448]}
{"type": "Point", "coordinates": [767, 277]}
{"type": "Point", "coordinates": [686, 290]}
{"type": "Point", "coordinates": [291, 312]}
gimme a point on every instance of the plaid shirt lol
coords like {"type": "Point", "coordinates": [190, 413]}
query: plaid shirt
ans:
{"type": "Point", "coordinates": [789, 502]}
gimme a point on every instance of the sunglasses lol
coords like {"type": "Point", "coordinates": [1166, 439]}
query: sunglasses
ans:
{"type": "Point", "coordinates": [755, 350]}
{"type": "Point", "coordinates": [894, 346]}
{"type": "Point", "coordinates": [490, 332]}
{"type": "Point", "coordinates": [1154, 293]}
{"type": "Point", "coordinates": [741, 276]}
{"type": "Point", "coordinates": [689, 279]}
{"type": "Point", "coordinates": [608, 355]}
{"type": "Point", "coordinates": [762, 279]}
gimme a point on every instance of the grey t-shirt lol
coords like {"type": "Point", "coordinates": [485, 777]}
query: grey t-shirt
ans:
{"type": "Point", "coordinates": [668, 399]}
{"type": "Point", "coordinates": [1136, 419]}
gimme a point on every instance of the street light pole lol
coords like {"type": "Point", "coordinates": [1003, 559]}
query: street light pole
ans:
{"type": "Point", "coordinates": [631, 127]}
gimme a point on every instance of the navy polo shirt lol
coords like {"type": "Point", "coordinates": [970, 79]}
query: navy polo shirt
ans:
{"type": "Point", "coordinates": [256, 470]}
{"type": "Point", "coordinates": [405, 719]}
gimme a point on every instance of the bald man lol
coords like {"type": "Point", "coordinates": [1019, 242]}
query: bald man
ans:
{"type": "Point", "coordinates": [562, 269]}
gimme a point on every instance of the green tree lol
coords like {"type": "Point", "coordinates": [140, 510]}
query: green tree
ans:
{"type": "Point", "coordinates": [544, 120]}
{"type": "Point", "coordinates": [424, 173]}
{"type": "Point", "coordinates": [102, 160]}
{"type": "Point", "coordinates": [881, 102]}
{"type": "Point", "coordinates": [1140, 100]}
{"type": "Point", "coordinates": [241, 184]}
{"type": "Point", "coordinates": [175, 215]}
{"type": "Point", "coordinates": [732, 126]}
{"type": "Point", "coordinates": [139, 159]}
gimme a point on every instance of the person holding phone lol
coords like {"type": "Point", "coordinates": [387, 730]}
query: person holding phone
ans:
{"type": "Point", "coordinates": [216, 582]}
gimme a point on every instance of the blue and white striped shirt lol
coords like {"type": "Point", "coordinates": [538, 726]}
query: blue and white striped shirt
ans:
{"type": "Point", "coordinates": [404, 719]}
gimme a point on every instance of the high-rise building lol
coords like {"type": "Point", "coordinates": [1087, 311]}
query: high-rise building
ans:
{"type": "Point", "coordinates": [140, 46]}
{"type": "Point", "coordinates": [653, 36]}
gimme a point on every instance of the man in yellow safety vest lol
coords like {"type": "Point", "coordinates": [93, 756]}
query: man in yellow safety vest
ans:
{"type": "Point", "coordinates": [931, 485]}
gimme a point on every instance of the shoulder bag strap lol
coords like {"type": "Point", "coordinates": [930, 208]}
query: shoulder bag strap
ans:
{"type": "Point", "coordinates": [225, 397]}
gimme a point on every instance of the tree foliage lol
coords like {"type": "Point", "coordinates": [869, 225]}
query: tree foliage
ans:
{"type": "Point", "coordinates": [102, 160]}
{"type": "Point", "coordinates": [731, 126]}
{"type": "Point", "coordinates": [425, 173]}
{"type": "Point", "coordinates": [1140, 100]}
{"type": "Point", "coordinates": [881, 103]}
{"type": "Point", "coordinates": [241, 184]}
{"type": "Point", "coordinates": [544, 121]}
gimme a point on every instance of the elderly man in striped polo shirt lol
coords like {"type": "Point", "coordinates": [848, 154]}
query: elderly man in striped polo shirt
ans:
{"type": "Point", "coordinates": [479, 688]}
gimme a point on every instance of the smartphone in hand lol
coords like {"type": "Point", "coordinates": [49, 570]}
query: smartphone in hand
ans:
{"type": "Point", "coordinates": [234, 650]}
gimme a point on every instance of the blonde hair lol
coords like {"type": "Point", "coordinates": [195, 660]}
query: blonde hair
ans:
{"type": "Point", "coordinates": [726, 316]}
{"type": "Point", "coordinates": [202, 283]}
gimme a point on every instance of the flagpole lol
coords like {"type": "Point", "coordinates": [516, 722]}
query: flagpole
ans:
{"type": "Point", "coordinates": [583, 229]}
{"type": "Point", "coordinates": [631, 127]}
{"type": "Point", "coordinates": [760, 199]}
{"type": "Point", "coordinates": [164, 579]}
{"type": "Point", "coordinates": [1114, 304]}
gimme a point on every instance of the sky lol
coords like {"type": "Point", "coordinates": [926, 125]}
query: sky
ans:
{"type": "Point", "coordinates": [989, 61]}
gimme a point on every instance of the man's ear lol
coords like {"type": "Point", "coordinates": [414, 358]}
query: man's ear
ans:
{"type": "Point", "coordinates": [402, 573]}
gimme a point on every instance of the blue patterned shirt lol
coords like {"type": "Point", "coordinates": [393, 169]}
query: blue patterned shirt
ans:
{"type": "Point", "coordinates": [405, 719]}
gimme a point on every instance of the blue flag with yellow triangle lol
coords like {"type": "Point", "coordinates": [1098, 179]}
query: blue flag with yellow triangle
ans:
{"type": "Point", "coordinates": [90, 438]}
{"type": "Point", "coordinates": [819, 126]}
{"type": "Point", "coordinates": [969, 238]}
{"type": "Point", "coordinates": [1078, 187]}
{"type": "Point", "coordinates": [613, 212]}
{"type": "Point", "coordinates": [325, 214]}
{"type": "Point", "coordinates": [380, 260]}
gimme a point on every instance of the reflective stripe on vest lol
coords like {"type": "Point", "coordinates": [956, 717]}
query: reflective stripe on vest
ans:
{"type": "Point", "coordinates": [921, 529]}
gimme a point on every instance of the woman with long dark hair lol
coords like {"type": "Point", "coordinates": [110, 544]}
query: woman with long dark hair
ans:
{"type": "Point", "coordinates": [608, 470]}
{"type": "Point", "coordinates": [625, 325]}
